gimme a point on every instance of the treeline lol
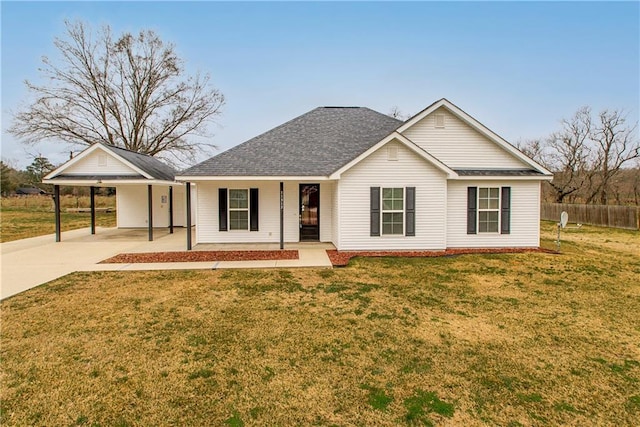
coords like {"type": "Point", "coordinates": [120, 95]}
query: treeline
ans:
{"type": "Point", "coordinates": [595, 159]}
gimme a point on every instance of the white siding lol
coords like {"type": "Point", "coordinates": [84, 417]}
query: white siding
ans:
{"type": "Point", "coordinates": [458, 145]}
{"type": "Point", "coordinates": [180, 205]}
{"type": "Point", "coordinates": [269, 213]}
{"type": "Point", "coordinates": [525, 216]}
{"type": "Point", "coordinates": [335, 231]}
{"type": "Point", "coordinates": [409, 170]}
{"type": "Point", "coordinates": [291, 212]}
{"type": "Point", "coordinates": [326, 211]}
{"type": "Point", "coordinates": [132, 210]}
{"type": "Point", "coordinates": [90, 165]}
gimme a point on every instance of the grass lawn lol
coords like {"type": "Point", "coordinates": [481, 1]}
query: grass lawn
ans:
{"type": "Point", "coordinates": [523, 339]}
{"type": "Point", "coordinates": [22, 217]}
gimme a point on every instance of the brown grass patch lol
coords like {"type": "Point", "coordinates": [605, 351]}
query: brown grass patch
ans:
{"type": "Point", "coordinates": [502, 339]}
{"type": "Point", "coordinates": [32, 216]}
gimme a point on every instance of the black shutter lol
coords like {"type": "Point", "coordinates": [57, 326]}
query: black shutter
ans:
{"type": "Point", "coordinates": [222, 208]}
{"type": "Point", "coordinates": [472, 209]}
{"type": "Point", "coordinates": [375, 211]}
{"type": "Point", "coordinates": [253, 206]}
{"type": "Point", "coordinates": [410, 207]}
{"type": "Point", "coordinates": [505, 214]}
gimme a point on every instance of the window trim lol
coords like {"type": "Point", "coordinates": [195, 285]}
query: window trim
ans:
{"type": "Point", "coordinates": [392, 211]}
{"type": "Point", "coordinates": [497, 210]}
{"type": "Point", "coordinates": [247, 209]}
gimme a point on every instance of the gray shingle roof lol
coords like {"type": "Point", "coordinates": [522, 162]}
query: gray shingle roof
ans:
{"type": "Point", "coordinates": [148, 164]}
{"type": "Point", "coordinates": [497, 172]}
{"type": "Point", "coordinates": [314, 144]}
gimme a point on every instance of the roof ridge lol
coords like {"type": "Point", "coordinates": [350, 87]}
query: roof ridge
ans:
{"type": "Point", "coordinates": [126, 149]}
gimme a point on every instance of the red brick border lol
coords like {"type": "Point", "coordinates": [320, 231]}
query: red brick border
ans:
{"type": "Point", "coordinates": [199, 256]}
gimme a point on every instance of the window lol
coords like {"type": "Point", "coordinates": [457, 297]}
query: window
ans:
{"type": "Point", "coordinates": [238, 209]}
{"type": "Point", "coordinates": [392, 210]}
{"type": "Point", "coordinates": [488, 210]}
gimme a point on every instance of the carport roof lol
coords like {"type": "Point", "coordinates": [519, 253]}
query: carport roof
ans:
{"type": "Point", "coordinates": [152, 166]}
{"type": "Point", "coordinates": [133, 167]}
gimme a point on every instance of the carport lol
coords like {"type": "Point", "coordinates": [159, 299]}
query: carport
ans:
{"type": "Point", "coordinates": [146, 193]}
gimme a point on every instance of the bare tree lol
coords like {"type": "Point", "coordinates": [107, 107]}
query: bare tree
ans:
{"type": "Point", "coordinates": [569, 154]}
{"type": "Point", "coordinates": [566, 153]}
{"type": "Point", "coordinates": [587, 155]}
{"type": "Point", "coordinates": [396, 113]}
{"type": "Point", "coordinates": [128, 91]}
{"type": "Point", "coordinates": [616, 144]}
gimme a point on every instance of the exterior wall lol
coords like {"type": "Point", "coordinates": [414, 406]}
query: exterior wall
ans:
{"type": "Point", "coordinates": [326, 211]}
{"type": "Point", "coordinates": [458, 145]}
{"type": "Point", "coordinates": [132, 211]}
{"type": "Point", "coordinates": [268, 212]}
{"type": "Point", "coordinates": [525, 216]}
{"type": "Point", "coordinates": [409, 170]}
{"type": "Point", "coordinates": [335, 200]}
{"type": "Point", "coordinates": [91, 166]}
{"type": "Point", "coordinates": [180, 205]}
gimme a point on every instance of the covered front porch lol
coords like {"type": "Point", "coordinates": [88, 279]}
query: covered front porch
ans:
{"type": "Point", "coordinates": [275, 212]}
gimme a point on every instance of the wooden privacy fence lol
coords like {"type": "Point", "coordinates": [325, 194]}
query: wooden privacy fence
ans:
{"type": "Point", "coordinates": [603, 215]}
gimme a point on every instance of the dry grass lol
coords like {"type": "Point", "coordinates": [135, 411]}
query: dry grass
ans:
{"type": "Point", "coordinates": [30, 216]}
{"type": "Point", "coordinates": [522, 339]}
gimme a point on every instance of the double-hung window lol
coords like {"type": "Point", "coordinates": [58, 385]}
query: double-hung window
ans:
{"type": "Point", "coordinates": [239, 209]}
{"type": "Point", "coordinates": [488, 210]}
{"type": "Point", "coordinates": [393, 211]}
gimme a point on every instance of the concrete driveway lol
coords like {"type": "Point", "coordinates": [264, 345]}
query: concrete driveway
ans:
{"type": "Point", "coordinates": [31, 262]}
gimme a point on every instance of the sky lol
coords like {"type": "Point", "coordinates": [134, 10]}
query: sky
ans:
{"type": "Point", "coordinates": [517, 67]}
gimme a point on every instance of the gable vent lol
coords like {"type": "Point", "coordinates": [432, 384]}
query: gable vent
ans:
{"type": "Point", "coordinates": [392, 152]}
{"type": "Point", "coordinates": [102, 160]}
{"type": "Point", "coordinates": [439, 119]}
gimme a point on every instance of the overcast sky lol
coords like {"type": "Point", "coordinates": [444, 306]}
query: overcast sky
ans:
{"type": "Point", "coordinates": [516, 67]}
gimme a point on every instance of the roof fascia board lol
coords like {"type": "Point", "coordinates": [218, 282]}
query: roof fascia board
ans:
{"type": "Point", "coordinates": [407, 143]}
{"type": "Point", "coordinates": [109, 183]}
{"type": "Point", "coordinates": [462, 115]}
{"type": "Point", "coordinates": [504, 178]}
{"type": "Point", "coordinates": [89, 150]}
{"type": "Point", "coordinates": [252, 178]}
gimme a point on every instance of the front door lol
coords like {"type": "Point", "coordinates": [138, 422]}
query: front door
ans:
{"type": "Point", "coordinates": [309, 212]}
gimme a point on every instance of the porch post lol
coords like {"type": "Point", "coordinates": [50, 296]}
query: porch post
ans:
{"type": "Point", "coordinates": [56, 206]}
{"type": "Point", "coordinates": [93, 209]}
{"type": "Point", "coordinates": [281, 215]}
{"type": "Point", "coordinates": [150, 206]}
{"type": "Point", "coordinates": [188, 197]}
{"type": "Point", "coordinates": [170, 209]}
